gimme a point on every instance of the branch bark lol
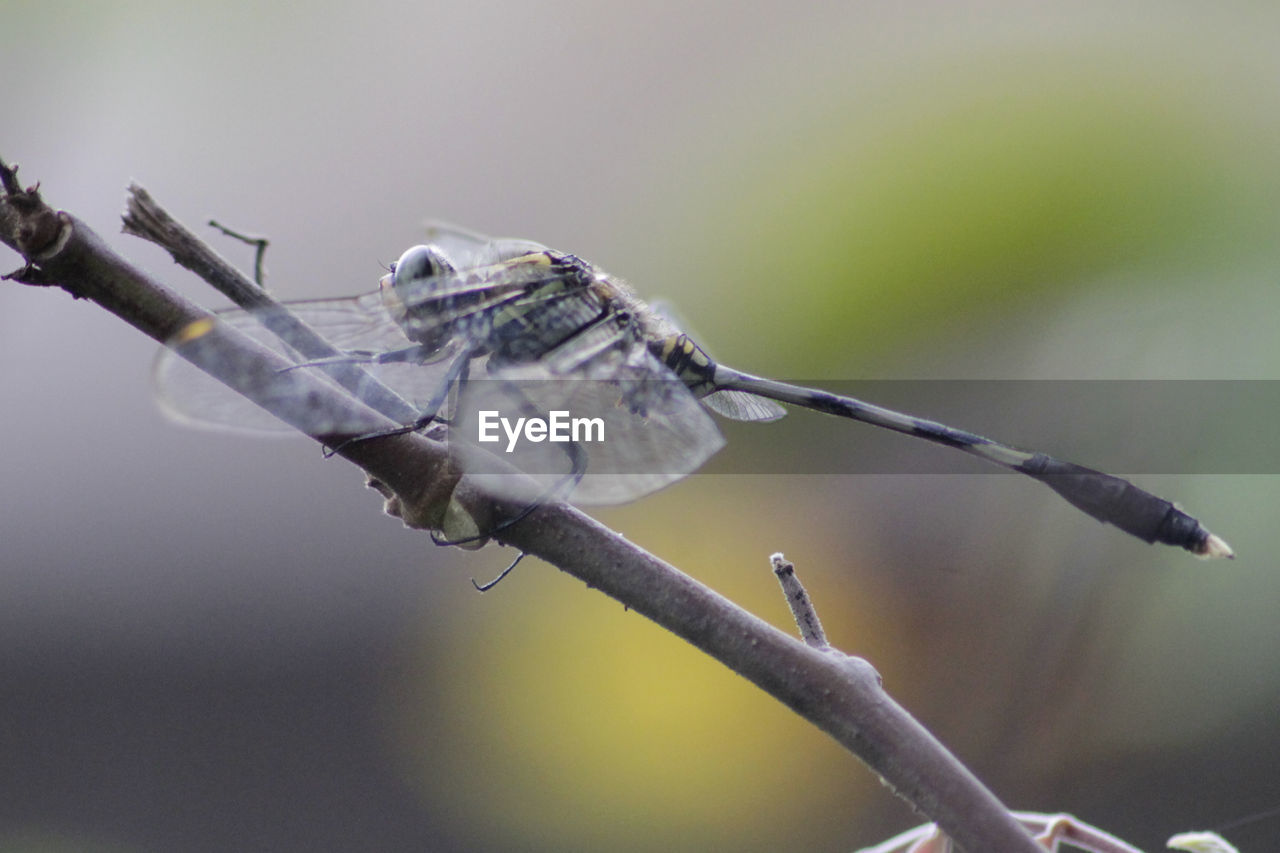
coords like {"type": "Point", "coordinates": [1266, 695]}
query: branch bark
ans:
{"type": "Point", "coordinates": [841, 695]}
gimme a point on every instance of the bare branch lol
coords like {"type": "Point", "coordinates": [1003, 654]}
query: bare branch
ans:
{"type": "Point", "coordinates": [842, 696]}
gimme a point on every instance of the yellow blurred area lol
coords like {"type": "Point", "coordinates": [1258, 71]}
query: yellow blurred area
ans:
{"type": "Point", "coordinates": [568, 720]}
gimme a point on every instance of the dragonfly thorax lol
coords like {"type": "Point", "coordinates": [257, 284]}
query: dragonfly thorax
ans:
{"type": "Point", "coordinates": [563, 309]}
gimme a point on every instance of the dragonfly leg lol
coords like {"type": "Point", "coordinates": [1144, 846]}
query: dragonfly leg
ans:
{"type": "Point", "coordinates": [415, 353]}
{"type": "Point", "coordinates": [458, 371]}
{"type": "Point", "coordinates": [485, 587]}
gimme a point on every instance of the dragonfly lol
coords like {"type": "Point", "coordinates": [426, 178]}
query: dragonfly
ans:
{"type": "Point", "coordinates": [469, 335]}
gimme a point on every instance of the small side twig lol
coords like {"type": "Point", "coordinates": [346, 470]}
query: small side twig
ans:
{"type": "Point", "coordinates": [801, 605]}
{"type": "Point", "coordinates": [260, 245]}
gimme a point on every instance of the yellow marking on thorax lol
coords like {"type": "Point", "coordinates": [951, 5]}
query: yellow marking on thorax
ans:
{"type": "Point", "coordinates": [535, 259]}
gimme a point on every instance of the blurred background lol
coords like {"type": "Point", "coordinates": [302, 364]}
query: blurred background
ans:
{"type": "Point", "coordinates": [209, 642]}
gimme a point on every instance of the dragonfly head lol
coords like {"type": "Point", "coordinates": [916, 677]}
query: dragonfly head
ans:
{"type": "Point", "coordinates": [417, 265]}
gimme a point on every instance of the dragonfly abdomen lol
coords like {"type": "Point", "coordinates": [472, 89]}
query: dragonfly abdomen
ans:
{"type": "Point", "coordinates": [688, 361]}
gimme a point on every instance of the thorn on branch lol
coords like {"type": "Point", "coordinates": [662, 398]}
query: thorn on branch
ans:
{"type": "Point", "coordinates": [25, 274]}
{"type": "Point", "coordinates": [9, 179]}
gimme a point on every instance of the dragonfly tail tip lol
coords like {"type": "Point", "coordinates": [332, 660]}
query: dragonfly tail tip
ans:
{"type": "Point", "coordinates": [1215, 547]}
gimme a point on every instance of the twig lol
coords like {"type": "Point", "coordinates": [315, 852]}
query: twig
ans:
{"type": "Point", "coordinates": [843, 700]}
{"type": "Point", "coordinates": [72, 256]}
{"type": "Point", "coordinates": [801, 605]}
{"type": "Point", "coordinates": [145, 218]}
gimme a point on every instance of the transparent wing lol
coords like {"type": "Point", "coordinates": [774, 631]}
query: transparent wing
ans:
{"type": "Point", "coordinates": [741, 406]}
{"type": "Point", "coordinates": [506, 277]}
{"type": "Point", "coordinates": [350, 323]}
{"type": "Point", "coordinates": [188, 394]}
{"type": "Point", "coordinates": [619, 414]}
{"type": "Point", "coordinates": [466, 248]}
{"type": "Point", "coordinates": [359, 325]}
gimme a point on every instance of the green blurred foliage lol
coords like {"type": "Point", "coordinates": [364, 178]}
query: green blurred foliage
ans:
{"type": "Point", "coordinates": [987, 189]}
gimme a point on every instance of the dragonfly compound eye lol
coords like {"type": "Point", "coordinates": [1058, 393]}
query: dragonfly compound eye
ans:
{"type": "Point", "coordinates": [420, 262]}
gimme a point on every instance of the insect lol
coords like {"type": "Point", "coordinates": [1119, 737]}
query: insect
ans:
{"type": "Point", "coordinates": [507, 347]}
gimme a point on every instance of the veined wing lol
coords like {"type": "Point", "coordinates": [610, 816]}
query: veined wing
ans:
{"type": "Point", "coordinates": [363, 325]}
{"type": "Point", "coordinates": [491, 283]}
{"type": "Point", "coordinates": [740, 406]}
{"type": "Point", "coordinates": [355, 324]}
{"type": "Point", "coordinates": [465, 248]}
{"type": "Point", "coordinates": [629, 422]}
